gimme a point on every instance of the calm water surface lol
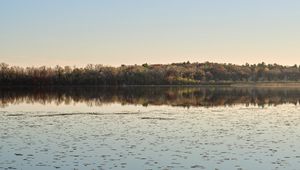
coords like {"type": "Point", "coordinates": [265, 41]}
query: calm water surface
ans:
{"type": "Point", "coordinates": [149, 128]}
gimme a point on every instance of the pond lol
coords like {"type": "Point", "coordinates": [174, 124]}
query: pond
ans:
{"type": "Point", "coordinates": [149, 128]}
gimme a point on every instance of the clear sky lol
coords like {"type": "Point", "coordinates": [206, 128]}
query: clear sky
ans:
{"type": "Point", "coordinates": [115, 32]}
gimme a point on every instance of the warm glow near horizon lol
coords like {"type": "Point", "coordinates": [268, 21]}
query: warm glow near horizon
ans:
{"type": "Point", "coordinates": [76, 32]}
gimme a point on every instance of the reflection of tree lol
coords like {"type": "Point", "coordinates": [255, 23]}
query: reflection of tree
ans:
{"type": "Point", "coordinates": [174, 96]}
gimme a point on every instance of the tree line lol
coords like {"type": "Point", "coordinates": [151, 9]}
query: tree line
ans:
{"type": "Point", "coordinates": [185, 73]}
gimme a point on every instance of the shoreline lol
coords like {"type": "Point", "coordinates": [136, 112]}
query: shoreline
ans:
{"type": "Point", "coordinates": [267, 84]}
{"type": "Point", "coordinates": [223, 84]}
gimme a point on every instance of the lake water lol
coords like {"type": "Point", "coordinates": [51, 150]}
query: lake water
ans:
{"type": "Point", "coordinates": [149, 128]}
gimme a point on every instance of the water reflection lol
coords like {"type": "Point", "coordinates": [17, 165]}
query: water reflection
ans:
{"type": "Point", "coordinates": [172, 96]}
{"type": "Point", "coordinates": [154, 137]}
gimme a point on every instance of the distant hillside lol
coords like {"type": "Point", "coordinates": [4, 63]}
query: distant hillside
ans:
{"type": "Point", "coordinates": [185, 73]}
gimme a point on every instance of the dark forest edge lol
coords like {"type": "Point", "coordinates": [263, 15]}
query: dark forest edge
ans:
{"type": "Point", "coordinates": [185, 73]}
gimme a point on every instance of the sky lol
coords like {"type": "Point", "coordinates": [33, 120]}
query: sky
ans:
{"type": "Point", "coordinates": [115, 32]}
